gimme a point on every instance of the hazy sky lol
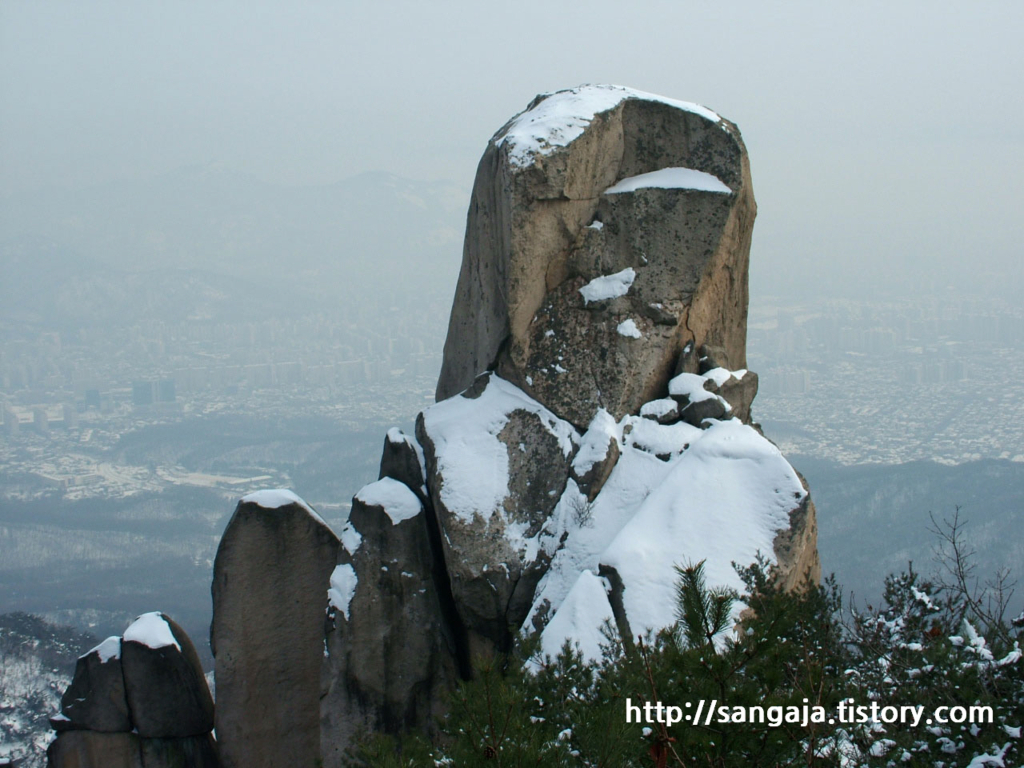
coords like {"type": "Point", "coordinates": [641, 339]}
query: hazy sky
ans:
{"type": "Point", "coordinates": [877, 131]}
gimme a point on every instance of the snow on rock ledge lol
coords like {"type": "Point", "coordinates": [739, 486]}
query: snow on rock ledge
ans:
{"type": "Point", "coordinates": [671, 178]}
{"type": "Point", "coordinates": [275, 498]}
{"type": "Point", "coordinates": [107, 650]}
{"type": "Point", "coordinates": [608, 286]}
{"type": "Point", "coordinates": [151, 630]}
{"type": "Point", "coordinates": [394, 497]}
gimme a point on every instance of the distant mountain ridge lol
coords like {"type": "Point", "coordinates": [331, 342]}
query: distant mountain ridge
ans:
{"type": "Point", "coordinates": [268, 242]}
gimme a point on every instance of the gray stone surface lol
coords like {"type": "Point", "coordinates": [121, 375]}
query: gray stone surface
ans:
{"type": "Point", "coordinates": [530, 246]}
{"type": "Point", "coordinates": [88, 749]}
{"type": "Point", "coordinates": [165, 687]}
{"type": "Point", "coordinates": [95, 700]}
{"type": "Point", "coordinates": [394, 654]}
{"type": "Point", "coordinates": [269, 601]}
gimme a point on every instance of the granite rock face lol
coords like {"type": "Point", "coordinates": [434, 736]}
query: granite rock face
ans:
{"type": "Point", "coordinates": [585, 185]}
{"type": "Point", "coordinates": [593, 430]}
{"type": "Point", "coordinates": [269, 601]}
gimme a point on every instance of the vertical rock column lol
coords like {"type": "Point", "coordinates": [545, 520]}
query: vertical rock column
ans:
{"type": "Point", "coordinates": [269, 600]}
{"type": "Point", "coordinates": [391, 648]}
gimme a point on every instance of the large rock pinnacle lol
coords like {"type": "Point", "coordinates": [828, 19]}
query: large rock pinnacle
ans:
{"type": "Point", "coordinates": [269, 603]}
{"type": "Point", "coordinates": [608, 228]}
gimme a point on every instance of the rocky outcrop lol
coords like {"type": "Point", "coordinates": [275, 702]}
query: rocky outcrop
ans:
{"type": "Point", "coordinates": [593, 431]}
{"type": "Point", "coordinates": [139, 700]}
{"type": "Point", "coordinates": [608, 229]}
{"type": "Point", "coordinates": [390, 646]}
{"type": "Point", "coordinates": [269, 601]}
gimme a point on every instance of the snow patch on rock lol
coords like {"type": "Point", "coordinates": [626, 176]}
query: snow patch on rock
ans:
{"type": "Point", "coordinates": [659, 439]}
{"type": "Point", "coordinates": [275, 498]}
{"type": "Point", "coordinates": [395, 497]}
{"type": "Point", "coordinates": [595, 441]}
{"type": "Point", "coordinates": [350, 538]}
{"type": "Point", "coordinates": [151, 630]}
{"type": "Point", "coordinates": [658, 409]}
{"type": "Point", "coordinates": [107, 650]}
{"type": "Point", "coordinates": [343, 586]}
{"type": "Point", "coordinates": [691, 386]}
{"type": "Point", "coordinates": [671, 178]}
{"type": "Point", "coordinates": [561, 117]}
{"type": "Point", "coordinates": [608, 286]}
{"type": "Point", "coordinates": [470, 457]}
{"type": "Point", "coordinates": [628, 328]}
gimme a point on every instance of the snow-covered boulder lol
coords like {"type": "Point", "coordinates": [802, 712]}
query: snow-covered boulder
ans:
{"type": "Point", "coordinates": [698, 399]}
{"type": "Point", "coordinates": [608, 229]}
{"type": "Point", "coordinates": [390, 651]}
{"type": "Point", "coordinates": [497, 463]}
{"type": "Point", "coordinates": [269, 600]}
{"type": "Point", "coordinates": [137, 701]}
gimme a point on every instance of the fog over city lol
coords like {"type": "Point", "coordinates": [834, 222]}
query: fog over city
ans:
{"type": "Point", "coordinates": [230, 234]}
